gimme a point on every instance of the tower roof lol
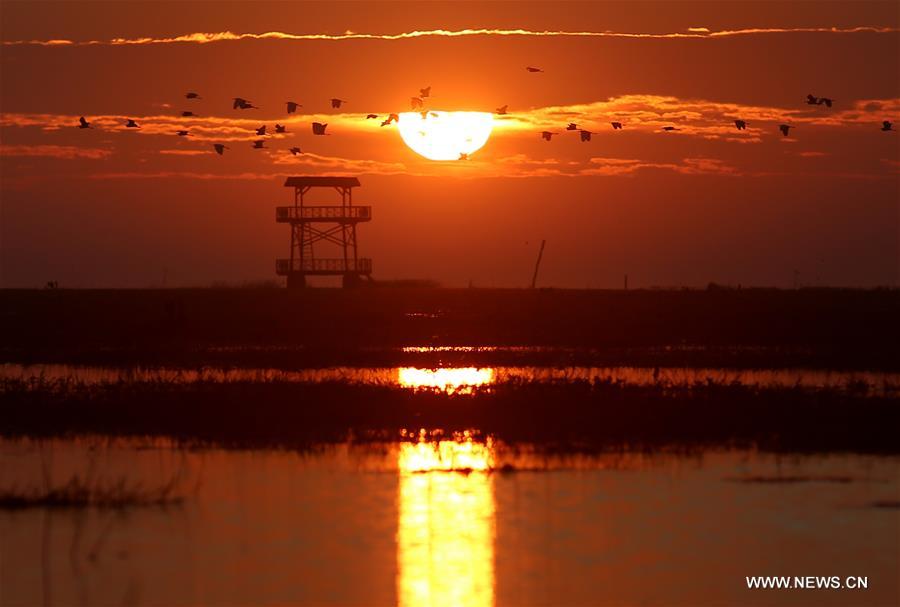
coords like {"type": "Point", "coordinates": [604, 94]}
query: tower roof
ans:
{"type": "Point", "coordinates": [321, 182]}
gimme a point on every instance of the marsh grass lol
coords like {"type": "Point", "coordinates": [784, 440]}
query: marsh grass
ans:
{"type": "Point", "coordinates": [571, 414]}
{"type": "Point", "coordinates": [91, 490]}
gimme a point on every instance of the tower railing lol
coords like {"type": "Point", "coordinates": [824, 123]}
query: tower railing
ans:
{"type": "Point", "coordinates": [331, 213]}
{"type": "Point", "coordinates": [284, 267]}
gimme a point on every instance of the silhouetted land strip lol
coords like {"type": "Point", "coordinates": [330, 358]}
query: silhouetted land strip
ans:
{"type": "Point", "coordinates": [564, 416]}
{"type": "Point", "coordinates": [826, 328]}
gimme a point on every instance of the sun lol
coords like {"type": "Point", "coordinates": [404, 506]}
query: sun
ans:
{"type": "Point", "coordinates": [440, 135]}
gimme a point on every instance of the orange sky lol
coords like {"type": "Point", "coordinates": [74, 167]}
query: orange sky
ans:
{"type": "Point", "coordinates": [116, 207]}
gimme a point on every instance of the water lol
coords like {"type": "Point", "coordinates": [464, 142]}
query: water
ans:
{"type": "Point", "coordinates": [460, 520]}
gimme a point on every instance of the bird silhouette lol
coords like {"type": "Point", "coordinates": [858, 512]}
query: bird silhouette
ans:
{"type": "Point", "coordinates": [533, 69]}
{"type": "Point", "coordinates": [572, 127]}
{"type": "Point", "coordinates": [280, 128]}
{"type": "Point", "coordinates": [812, 100]}
{"type": "Point", "coordinates": [415, 103]}
{"type": "Point", "coordinates": [617, 126]}
{"type": "Point", "coordinates": [463, 156]}
{"type": "Point", "coordinates": [83, 124]}
{"type": "Point", "coordinates": [220, 148]}
{"type": "Point", "coordinates": [425, 92]}
{"type": "Point", "coordinates": [292, 106]}
{"type": "Point", "coordinates": [258, 144]}
{"type": "Point", "coordinates": [887, 125]}
{"type": "Point", "coordinates": [370, 116]}
{"type": "Point", "coordinates": [295, 151]}
{"type": "Point", "coordinates": [502, 110]}
{"type": "Point", "coordinates": [240, 104]}
{"type": "Point", "coordinates": [131, 124]}
{"type": "Point", "coordinates": [740, 125]}
{"type": "Point", "coordinates": [585, 135]}
{"type": "Point", "coordinates": [319, 128]}
{"type": "Point", "coordinates": [391, 118]}
{"type": "Point", "coordinates": [670, 128]}
{"type": "Point", "coordinates": [826, 101]}
{"type": "Point", "coordinates": [785, 129]}
{"type": "Point", "coordinates": [187, 114]}
{"type": "Point", "coordinates": [261, 130]}
{"type": "Point", "coordinates": [192, 96]}
{"type": "Point", "coordinates": [181, 133]}
{"type": "Point", "coordinates": [547, 135]}
{"type": "Point", "coordinates": [336, 103]}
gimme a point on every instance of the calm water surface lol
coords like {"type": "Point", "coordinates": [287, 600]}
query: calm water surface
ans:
{"type": "Point", "coordinates": [448, 521]}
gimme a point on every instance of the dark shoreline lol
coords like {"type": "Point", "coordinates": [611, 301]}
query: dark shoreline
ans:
{"type": "Point", "coordinates": [746, 328]}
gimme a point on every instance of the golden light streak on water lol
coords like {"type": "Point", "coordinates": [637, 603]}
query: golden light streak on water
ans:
{"type": "Point", "coordinates": [460, 380]}
{"type": "Point", "coordinates": [446, 527]}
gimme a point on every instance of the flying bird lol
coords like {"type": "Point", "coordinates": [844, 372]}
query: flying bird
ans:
{"type": "Point", "coordinates": [585, 135]}
{"type": "Point", "coordinates": [336, 103]}
{"type": "Point", "coordinates": [415, 103]}
{"type": "Point", "coordinates": [280, 128]}
{"type": "Point", "coordinates": [258, 144]}
{"type": "Point", "coordinates": [391, 118]}
{"type": "Point", "coordinates": [192, 96]}
{"type": "Point", "coordinates": [617, 126]}
{"type": "Point", "coordinates": [241, 104]}
{"type": "Point", "coordinates": [187, 114]}
{"type": "Point", "coordinates": [826, 101]}
{"type": "Point", "coordinates": [785, 129]}
{"type": "Point", "coordinates": [533, 70]}
{"type": "Point", "coordinates": [319, 128]}
{"type": "Point", "coordinates": [182, 133]}
{"type": "Point", "coordinates": [295, 151]}
{"type": "Point", "coordinates": [463, 156]}
{"type": "Point", "coordinates": [370, 116]}
{"type": "Point", "coordinates": [740, 125]}
{"type": "Point", "coordinates": [261, 130]}
{"type": "Point", "coordinates": [292, 106]}
{"type": "Point", "coordinates": [220, 148]}
{"type": "Point", "coordinates": [812, 100]}
{"type": "Point", "coordinates": [83, 124]}
{"type": "Point", "coordinates": [546, 135]}
{"type": "Point", "coordinates": [425, 92]}
{"type": "Point", "coordinates": [572, 127]}
{"type": "Point", "coordinates": [887, 125]}
{"type": "Point", "coordinates": [502, 110]}
{"type": "Point", "coordinates": [131, 124]}
{"type": "Point", "coordinates": [670, 128]}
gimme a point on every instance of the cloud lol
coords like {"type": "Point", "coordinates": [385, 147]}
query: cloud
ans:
{"type": "Point", "coordinates": [687, 166]}
{"type": "Point", "coordinates": [694, 117]}
{"type": "Point", "coordinates": [227, 36]}
{"type": "Point", "coordinates": [182, 175]}
{"type": "Point", "coordinates": [336, 165]}
{"type": "Point", "coordinates": [66, 152]}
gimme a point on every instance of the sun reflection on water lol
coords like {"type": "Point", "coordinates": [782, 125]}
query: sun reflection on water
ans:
{"type": "Point", "coordinates": [460, 380]}
{"type": "Point", "coordinates": [445, 538]}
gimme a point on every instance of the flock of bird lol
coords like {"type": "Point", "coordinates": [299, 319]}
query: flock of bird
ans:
{"type": "Point", "coordinates": [418, 103]}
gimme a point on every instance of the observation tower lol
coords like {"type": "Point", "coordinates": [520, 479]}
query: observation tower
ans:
{"type": "Point", "coordinates": [318, 223]}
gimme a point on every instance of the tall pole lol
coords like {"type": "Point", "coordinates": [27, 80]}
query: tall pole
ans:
{"type": "Point", "coordinates": [538, 264]}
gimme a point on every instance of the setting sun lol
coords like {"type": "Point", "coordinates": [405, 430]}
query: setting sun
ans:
{"type": "Point", "coordinates": [445, 135]}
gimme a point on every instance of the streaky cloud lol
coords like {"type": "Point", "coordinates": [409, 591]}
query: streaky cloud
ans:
{"type": "Point", "coordinates": [65, 152]}
{"type": "Point", "coordinates": [228, 36]}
